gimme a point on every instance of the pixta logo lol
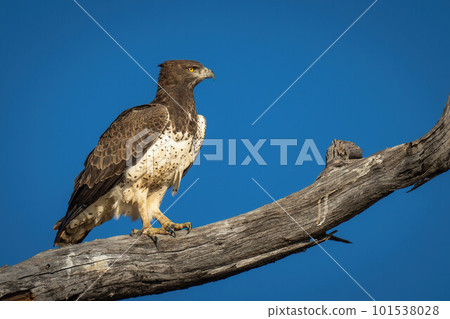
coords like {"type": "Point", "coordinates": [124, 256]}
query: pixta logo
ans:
{"type": "Point", "coordinates": [307, 152]}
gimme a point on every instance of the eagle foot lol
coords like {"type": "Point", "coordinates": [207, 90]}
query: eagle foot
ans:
{"type": "Point", "coordinates": [172, 227]}
{"type": "Point", "coordinates": [150, 232]}
{"type": "Point", "coordinates": [136, 232]}
{"type": "Point", "coordinates": [167, 228]}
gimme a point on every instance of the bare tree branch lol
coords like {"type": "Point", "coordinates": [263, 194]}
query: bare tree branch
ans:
{"type": "Point", "coordinates": [348, 185]}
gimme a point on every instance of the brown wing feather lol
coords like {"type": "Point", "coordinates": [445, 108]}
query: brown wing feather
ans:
{"type": "Point", "coordinates": [105, 165]}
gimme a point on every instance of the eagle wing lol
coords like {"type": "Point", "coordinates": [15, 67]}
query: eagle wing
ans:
{"type": "Point", "coordinates": [127, 138]}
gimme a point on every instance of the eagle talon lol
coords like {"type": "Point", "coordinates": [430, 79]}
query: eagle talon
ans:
{"type": "Point", "coordinates": [136, 232]}
{"type": "Point", "coordinates": [154, 239]}
{"type": "Point", "coordinates": [188, 227]}
{"type": "Point", "coordinates": [171, 228]}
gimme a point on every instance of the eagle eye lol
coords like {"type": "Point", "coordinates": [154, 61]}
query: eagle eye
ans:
{"type": "Point", "coordinates": [191, 69]}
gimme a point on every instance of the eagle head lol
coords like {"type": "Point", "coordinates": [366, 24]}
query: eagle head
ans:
{"type": "Point", "coordinates": [183, 72]}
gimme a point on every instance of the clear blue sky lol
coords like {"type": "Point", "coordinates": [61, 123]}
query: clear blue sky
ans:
{"type": "Point", "coordinates": [63, 81]}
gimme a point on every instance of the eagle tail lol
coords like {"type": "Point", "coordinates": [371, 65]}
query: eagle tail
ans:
{"type": "Point", "coordinates": [73, 231]}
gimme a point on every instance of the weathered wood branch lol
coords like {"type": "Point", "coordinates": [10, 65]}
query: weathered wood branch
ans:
{"type": "Point", "coordinates": [128, 268]}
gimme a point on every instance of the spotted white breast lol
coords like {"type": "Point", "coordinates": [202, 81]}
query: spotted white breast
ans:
{"type": "Point", "coordinates": [146, 182]}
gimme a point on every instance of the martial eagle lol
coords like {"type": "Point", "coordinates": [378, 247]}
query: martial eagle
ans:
{"type": "Point", "coordinates": [143, 153]}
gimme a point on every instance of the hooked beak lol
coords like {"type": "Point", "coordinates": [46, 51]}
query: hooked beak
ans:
{"type": "Point", "coordinates": [207, 73]}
